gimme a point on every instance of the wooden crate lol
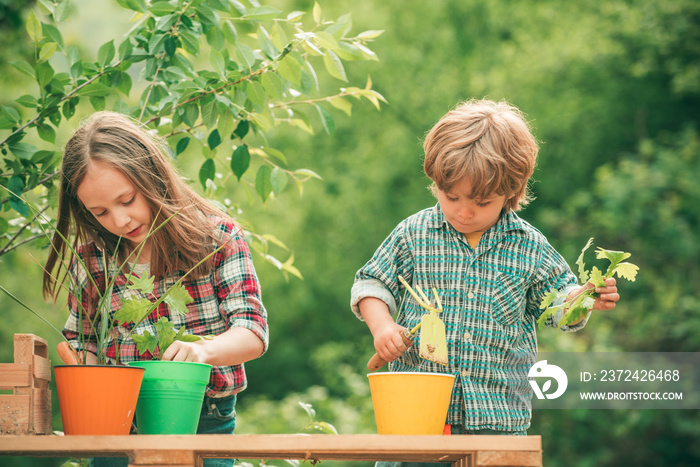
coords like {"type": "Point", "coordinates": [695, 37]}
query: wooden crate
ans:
{"type": "Point", "coordinates": [27, 411]}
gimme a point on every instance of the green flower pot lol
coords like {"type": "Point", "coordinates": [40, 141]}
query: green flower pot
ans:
{"type": "Point", "coordinates": [171, 397]}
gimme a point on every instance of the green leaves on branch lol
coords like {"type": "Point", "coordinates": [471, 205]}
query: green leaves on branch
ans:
{"type": "Point", "coordinates": [204, 83]}
{"type": "Point", "coordinates": [576, 307]}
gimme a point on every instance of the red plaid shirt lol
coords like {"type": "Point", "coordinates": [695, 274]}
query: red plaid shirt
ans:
{"type": "Point", "coordinates": [228, 297]}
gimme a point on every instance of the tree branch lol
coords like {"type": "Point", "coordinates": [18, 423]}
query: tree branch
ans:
{"type": "Point", "coordinates": [7, 248]}
{"type": "Point", "coordinates": [252, 75]}
{"type": "Point", "coordinates": [64, 98]}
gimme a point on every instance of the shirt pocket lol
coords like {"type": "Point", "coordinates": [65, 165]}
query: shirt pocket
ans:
{"type": "Point", "coordinates": [508, 298]}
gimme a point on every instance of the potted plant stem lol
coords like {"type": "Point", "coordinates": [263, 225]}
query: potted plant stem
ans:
{"type": "Point", "coordinates": [112, 390]}
{"type": "Point", "coordinates": [171, 393]}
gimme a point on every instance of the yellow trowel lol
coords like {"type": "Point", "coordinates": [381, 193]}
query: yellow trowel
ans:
{"type": "Point", "coordinates": [433, 341]}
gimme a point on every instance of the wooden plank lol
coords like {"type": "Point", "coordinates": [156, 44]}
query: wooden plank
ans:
{"type": "Point", "coordinates": [14, 415]}
{"type": "Point", "coordinates": [319, 447]}
{"type": "Point", "coordinates": [162, 458]}
{"type": "Point", "coordinates": [466, 462]}
{"type": "Point", "coordinates": [14, 375]}
{"type": "Point", "coordinates": [24, 348]}
{"type": "Point", "coordinates": [42, 371]}
{"type": "Point", "coordinates": [189, 464]}
{"type": "Point", "coordinates": [41, 347]}
{"type": "Point", "coordinates": [42, 422]}
{"type": "Point", "coordinates": [508, 459]}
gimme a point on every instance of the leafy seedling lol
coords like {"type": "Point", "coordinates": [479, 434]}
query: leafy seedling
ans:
{"type": "Point", "coordinates": [576, 307]}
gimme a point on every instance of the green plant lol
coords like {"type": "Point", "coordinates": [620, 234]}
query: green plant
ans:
{"type": "Point", "coordinates": [214, 77]}
{"type": "Point", "coordinates": [133, 310]}
{"type": "Point", "coordinates": [314, 425]}
{"type": "Point", "coordinates": [576, 307]}
{"type": "Point", "coordinates": [136, 310]}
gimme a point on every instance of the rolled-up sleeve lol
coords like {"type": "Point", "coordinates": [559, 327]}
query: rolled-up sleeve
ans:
{"type": "Point", "coordinates": [238, 289]}
{"type": "Point", "coordinates": [378, 278]}
{"type": "Point", "coordinates": [554, 274]}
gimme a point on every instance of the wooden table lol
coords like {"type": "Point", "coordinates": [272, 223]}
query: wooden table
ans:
{"type": "Point", "coordinates": [189, 450]}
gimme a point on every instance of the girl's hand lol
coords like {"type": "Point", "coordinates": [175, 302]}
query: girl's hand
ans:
{"type": "Point", "coordinates": [180, 351]}
{"type": "Point", "coordinates": [233, 347]}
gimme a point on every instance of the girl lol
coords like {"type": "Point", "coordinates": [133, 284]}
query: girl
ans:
{"type": "Point", "coordinates": [116, 183]}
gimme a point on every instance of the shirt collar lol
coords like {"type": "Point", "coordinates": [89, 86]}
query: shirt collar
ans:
{"type": "Point", "coordinates": [508, 221]}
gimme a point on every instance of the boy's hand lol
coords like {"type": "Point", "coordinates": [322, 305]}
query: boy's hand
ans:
{"type": "Point", "coordinates": [607, 296]}
{"type": "Point", "coordinates": [388, 342]}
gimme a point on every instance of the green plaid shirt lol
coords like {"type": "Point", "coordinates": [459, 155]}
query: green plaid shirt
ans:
{"type": "Point", "coordinates": [491, 298]}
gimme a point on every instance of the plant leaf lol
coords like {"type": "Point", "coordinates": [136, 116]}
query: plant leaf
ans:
{"type": "Point", "coordinates": [133, 310]}
{"type": "Point", "coordinates": [34, 27]}
{"type": "Point", "coordinates": [290, 70]}
{"type": "Point", "coordinates": [214, 139]}
{"type": "Point", "coordinates": [263, 183]}
{"type": "Point", "coordinates": [106, 53]}
{"type": "Point", "coordinates": [612, 255]}
{"type": "Point", "coordinates": [178, 298]}
{"type": "Point", "coordinates": [240, 161]}
{"type": "Point", "coordinates": [46, 132]}
{"type": "Point", "coordinates": [143, 284]}
{"type": "Point", "coordinates": [182, 145]}
{"type": "Point", "coordinates": [326, 119]}
{"type": "Point", "coordinates": [308, 408]}
{"type": "Point", "coordinates": [582, 273]}
{"type": "Point", "coordinates": [627, 270]}
{"type": "Point", "coordinates": [145, 343]}
{"type": "Point", "coordinates": [165, 333]}
{"type": "Point", "coordinates": [334, 66]}
{"type": "Point", "coordinates": [597, 277]}
{"type": "Point", "coordinates": [23, 67]}
{"type": "Point", "coordinates": [278, 179]}
{"type": "Point", "coordinates": [550, 298]}
{"type": "Point", "coordinates": [207, 172]}
{"type": "Point", "coordinates": [189, 338]}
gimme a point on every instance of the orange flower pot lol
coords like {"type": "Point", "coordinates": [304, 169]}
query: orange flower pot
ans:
{"type": "Point", "coordinates": [97, 399]}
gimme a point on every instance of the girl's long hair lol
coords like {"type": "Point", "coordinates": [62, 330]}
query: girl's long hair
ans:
{"type": "Point", "coordinates": [117, 140]}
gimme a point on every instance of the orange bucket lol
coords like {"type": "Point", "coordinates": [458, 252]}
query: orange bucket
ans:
{"type": "Point", "coordinates": [97, 399]}
{"type": "Point", "coordinates": [407, 403]}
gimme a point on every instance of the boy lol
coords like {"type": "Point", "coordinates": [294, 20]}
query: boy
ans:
{"type": "Point", "coordinates": [491, 269]}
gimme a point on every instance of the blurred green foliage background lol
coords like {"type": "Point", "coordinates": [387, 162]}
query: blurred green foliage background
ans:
{"type": "Point", "coordinates": [612, 90]}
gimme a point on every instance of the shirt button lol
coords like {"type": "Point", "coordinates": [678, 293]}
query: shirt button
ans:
{"type": "Point", "coordinates": [465, 373]}
{"type": "Point", "coordinates": [467, 336]}
{"type": "Point", "coordinates": [470, 295]}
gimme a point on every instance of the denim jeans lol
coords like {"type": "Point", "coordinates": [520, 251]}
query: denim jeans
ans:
{"type": "Point", "coordinates": [455, 431]}
{"type": "Point", "coordinates": [218, 416]}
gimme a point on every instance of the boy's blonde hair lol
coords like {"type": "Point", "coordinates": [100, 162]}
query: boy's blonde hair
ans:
{"type": "Point", "coordinates": [487, 142]}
